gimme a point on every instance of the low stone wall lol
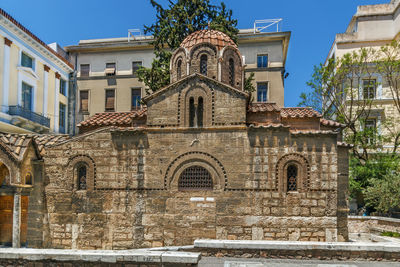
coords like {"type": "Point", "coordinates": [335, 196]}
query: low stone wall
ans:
{"type": "Point", "coordinates": [298, 250]}
{"type": "Point", "coordinates": [69, 258]}
{"type": "Point", "coordinates": [372, 224]}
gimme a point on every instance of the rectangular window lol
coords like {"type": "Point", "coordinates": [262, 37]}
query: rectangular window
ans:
{"type": "Point", "coordinates": [85, 69]}
{"type": "Point", "coordinates": [61, 122]}
{"type": "Point", "coordinates": [110, 69]}
{"type": "Point", "coordinates": [370, 130]}
{"type": "Point", "coordinates": [84, 101]}
{"type": "Point", "coordinates": [63, 87]}
{"type": "Point", "coordinates": [26, 61]}
{"type": "Point", "coordinates": [136, 65]}
{"type": "Point", "coordinates": [262, 90]}
{"type": "Point", "coordinates": [27, 96]}
{"type": "Point", "coordinates": [136, 96]}
{"type": "Point", "coordinates": [369, 89]}
{"type": "Point", "coordinates": [262, 61]}
{"type": "Point", "coordinates": [110, 99]}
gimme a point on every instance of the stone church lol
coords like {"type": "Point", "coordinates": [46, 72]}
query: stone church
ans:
{"type": "Point", "coordinates": [199, 161]}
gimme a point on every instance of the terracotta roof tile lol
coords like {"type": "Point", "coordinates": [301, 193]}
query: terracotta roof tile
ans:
{"type": "Point", "coordinates": [299, 112]}
{"type": "Point", "coordinates": [263, 107]}
{"type": "Point", "coordinates": [17, 144]}
{"type": "Point", "coordinates": [326, 122]}
{"type": "Point", "coordinates": [217, 38]}
{"type": "Point", "coordinates": [114, 118]}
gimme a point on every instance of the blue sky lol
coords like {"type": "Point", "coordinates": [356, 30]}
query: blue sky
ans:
{"type": "Point", "coordinates": [313, 24]}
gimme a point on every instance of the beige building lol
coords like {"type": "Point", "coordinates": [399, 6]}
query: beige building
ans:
{"type": "Point", "coordinates": [34, 81]}
{"type": "Point", "coordinates": [373, 26]}
{"type": "Point", "coordinates": [106, 79]}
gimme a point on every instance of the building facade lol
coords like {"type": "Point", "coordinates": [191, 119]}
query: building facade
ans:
{"type": "Point", "coordinates": [199, 161]}
{"type": "Point", "coordinates": [373, 26]}
{"type": "Point", "coordinates": [34, 82]}
{"type": "Point", "coordinates": [106, 70]}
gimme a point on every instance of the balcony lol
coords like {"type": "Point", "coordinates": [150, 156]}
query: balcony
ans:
{"type": "Point", "coordinates": [28, 119]}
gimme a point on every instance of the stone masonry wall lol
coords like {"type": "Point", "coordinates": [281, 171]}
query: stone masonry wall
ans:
{"type": "Point", "coordinates": [133, 200]}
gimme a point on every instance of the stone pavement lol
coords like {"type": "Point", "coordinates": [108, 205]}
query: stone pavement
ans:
{"type": "Point", "coordinates": [241, 262]}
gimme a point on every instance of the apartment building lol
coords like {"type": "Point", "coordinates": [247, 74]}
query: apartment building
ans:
{"type": "Point", "coordinates": [373, 26]}
{"type": "Point", "coordinates": [106, 79]}
{"type": "Point", "coordinates": [34, 81]}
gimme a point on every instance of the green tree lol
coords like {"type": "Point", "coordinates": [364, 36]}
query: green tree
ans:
{"type": "Point", "coordinates": [336, 90]}
{"type": "Point", "coordinates": [383, 193]}
{"type": "Point", "coordinates": [173, 24]}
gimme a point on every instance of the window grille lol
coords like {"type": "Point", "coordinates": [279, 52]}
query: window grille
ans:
{"type": "Point", "coordinates": [195, 178]}
{"type": "Point", "coordinates": [27, 96]}
{"type": "Point", "coordinates": [203, 65]}
{"type": "Point", "coordinates": [291, 178]}
{"type": "Point", "coordinates": [82, 172]}
{"type": "Point", "coordinates": [231, 72]}
{"type": "Point", "coordinates": [26, 61]}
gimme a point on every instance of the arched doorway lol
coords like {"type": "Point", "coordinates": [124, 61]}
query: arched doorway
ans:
{"type": "Point", "coordinates": [6, 208]}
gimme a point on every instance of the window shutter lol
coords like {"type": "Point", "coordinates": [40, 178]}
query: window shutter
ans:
{"type": "Point", "coordinates": [110, 98]}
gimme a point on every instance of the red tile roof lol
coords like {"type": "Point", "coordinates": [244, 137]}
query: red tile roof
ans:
{"type": "Point", "coordinates": [299, 112]}
{"type": "Point", "coordinates": [217, 38]}
{"type": "Point", "coordinates": [263, 107]}
{"type": "Point", "coordinates": [19, 25]}
{"type": "Point", "coordinates": [17, 144]}
{"type": "Point", "coordinates": [326, 122]}
{"type": "Point", "coordinates": [114, 118]}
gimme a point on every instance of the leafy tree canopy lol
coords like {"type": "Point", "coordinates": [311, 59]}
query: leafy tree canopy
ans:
{"type": "Point", "coordinates": [173, 24]}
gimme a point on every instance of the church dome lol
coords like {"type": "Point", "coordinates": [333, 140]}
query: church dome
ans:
{"type": "Point", "coordinates": [217, 38]}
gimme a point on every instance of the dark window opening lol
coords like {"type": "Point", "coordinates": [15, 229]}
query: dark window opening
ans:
{"type": "Point", "coordinates": [191, 112]}
{"type": "Point", "coordinates": [262, 89]}
{"type": "Point", "coordinates": [84, 101]}
{"type": "Point", "coordinates": [369, 89]}
{"type": "Point", "coordinates": [85, 69]}
{"type": "Point", "coordinates": [291, 178]}
{"type": "Point", "coordinates": [63, 87]}
{"type": "Point", "coordinates": [82, 174]}
{"type": "Point", "coordinates": [28, 179]}
{"type": "Point", "coordinates": [262, 61]}
{"type": "Point", "coordinates": [203, 65]}
{"type": "Point", "coordinates": [179, 70]}
{"type": "Point", "coordinates": [200, 109]}
{"type": "Point", "coordinates": [370, 130]}
{"type": "Point", "coordinates": [195, 178]}
{"type": "Point", "coordinates": [26, 61]}
{"type": "Point", "coordinates": [61, 122]}
{"type": "Point", "coordinates": [136, 96]}
{"type": "Point", "coordinates": [27, 96]}
{"type": "Point", "coordinates": [231, 72]}
{"type": "Point", "coordinates": [136, 65]}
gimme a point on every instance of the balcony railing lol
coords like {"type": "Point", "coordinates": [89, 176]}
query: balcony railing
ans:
{"type": "Point", "coordinates": [30, 115]}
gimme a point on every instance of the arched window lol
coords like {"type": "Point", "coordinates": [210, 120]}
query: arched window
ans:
{"type": "Point", "coordinates": [192, 112]}
{"type": "Point", "coordinates": [179, 70]}
{"type": "Point", "coordinates": [81, 173]}
{"type": "Point", "coordinates": [291, 173]}
{"type": "Point", "coordinates": [203, 65]}
{"type": "Point", "coordinates": [200, 108]}
{"type": "Point", "coordinates": [28, 179]}
{"type": "Point", "coordinates": [231, 72]}
{"type": "Point", "coordinates": [195, 178]}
